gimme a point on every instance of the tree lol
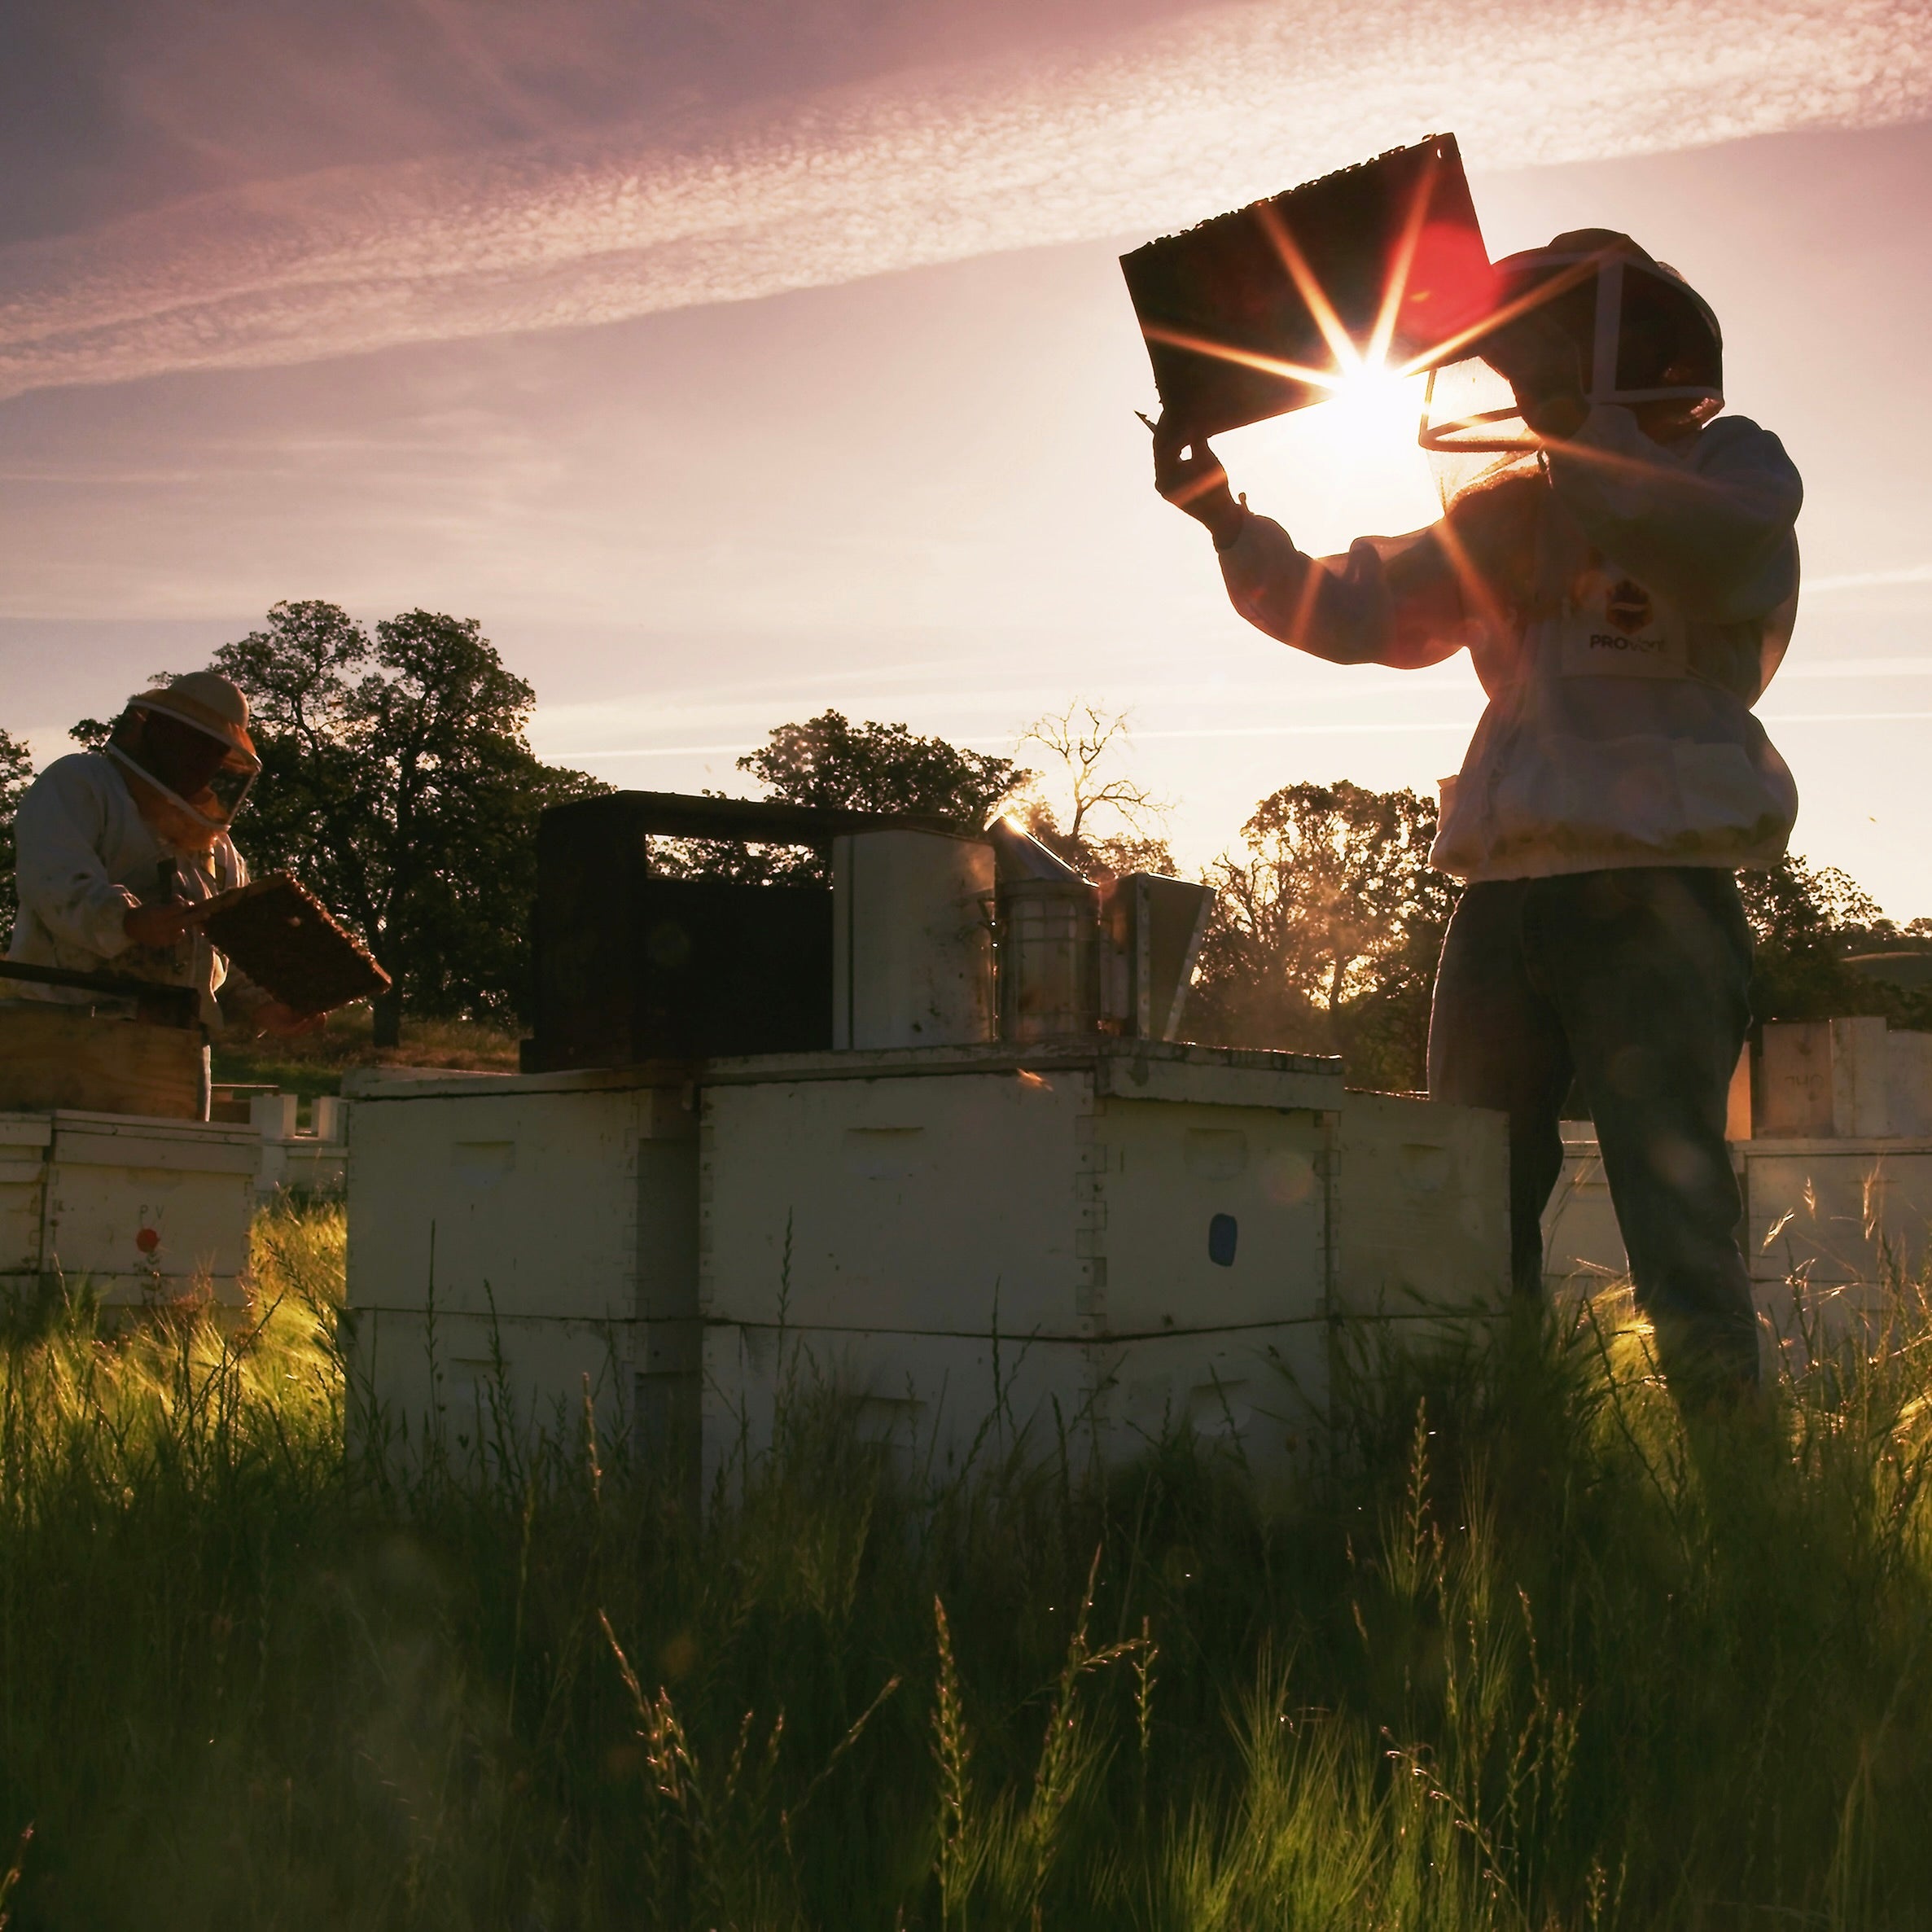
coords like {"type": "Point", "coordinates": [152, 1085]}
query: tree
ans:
{"type": "Point", "coordinates": [1799, 915]}
{"type": "Point", "coordinates": [830, 761]}
{"type": "Point", "coordinates": [398, 783]}
{"type": "Point", "coordinates": [16, 774]}
{"type": "Point", "coordinates": [827, 760]}
{"type": "Point", "coordinates": [1326, 931]}
{"type": "Point", "coordinates": [1810, 924]}
{"type": "Point", "coordinates": [1114, 824]}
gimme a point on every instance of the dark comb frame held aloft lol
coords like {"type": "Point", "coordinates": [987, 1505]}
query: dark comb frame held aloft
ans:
{"type": "Point", "coordinates": [283, 938]}
{"type": "Point", "coordinates": [1227, 308]}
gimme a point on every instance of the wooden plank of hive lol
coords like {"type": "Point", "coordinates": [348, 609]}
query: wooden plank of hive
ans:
{"type": "Point", "coordinates": [61, 1055]}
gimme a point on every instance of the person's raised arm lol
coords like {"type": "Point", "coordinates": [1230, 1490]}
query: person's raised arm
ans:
{"type": "Point", "coordinates": [1390, 601]}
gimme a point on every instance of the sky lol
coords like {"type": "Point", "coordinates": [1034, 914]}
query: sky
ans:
{"type": "Point", "coordinates": [729, 359]}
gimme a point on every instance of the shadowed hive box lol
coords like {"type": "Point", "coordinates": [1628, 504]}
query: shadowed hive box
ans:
{"type": "Point", "coordinates": [526, 1238]}
{"type": "Point", "coordinates": [1091, 1243]}
{"type": "Point", "coordinates": [1106, 1240]}
{"type": "Point", "coordinates": [635, 964]}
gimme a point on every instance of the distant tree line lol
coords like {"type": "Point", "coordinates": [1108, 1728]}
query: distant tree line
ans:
{"type": "Point", "coordinates": [398, 783]}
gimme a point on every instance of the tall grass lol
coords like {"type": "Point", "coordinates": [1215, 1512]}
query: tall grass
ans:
{"type": "Point", "coordinates": [1542, 1653]}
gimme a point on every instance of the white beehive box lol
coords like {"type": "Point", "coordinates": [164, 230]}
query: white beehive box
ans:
{"type": "Point", "coordinates": [1582, 1247]}
{"type": "Point", "coordinates": [143, 1209]}
{"type": "Point", "coordinates": [1422, 1216]}
{"type": "Point", "coordinates": [1838, 1211]}
{"type": "Point", "coordinates": [527, 1229]}
{"type": "Point", "coordinates": [1143, 1234]}
{"type": "Point", "coordinates": [1108, 1240]}
{"type": "Point", "coordinates": [1830, 1223]}
{"type": "Point", "coordinates": [1909, 1084]}
{"type": "Point", "coordinates": [295, 1163]}
{"type": "Point", "coordinates": [1825, 1078]}
{"type": "Point", "coordinates": [25, 1139]}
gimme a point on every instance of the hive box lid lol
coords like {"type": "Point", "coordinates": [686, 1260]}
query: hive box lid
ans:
{"type": "Point", "coordinates": [1126, 1069]}
{"type": "Point", "coordinates": [85, 1139]}
{"type": "Point", "coordinates": [445, 1083]}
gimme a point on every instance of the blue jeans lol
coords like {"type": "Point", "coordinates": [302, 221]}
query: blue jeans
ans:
{"type": "Point", "coordinates": [1636, 983]}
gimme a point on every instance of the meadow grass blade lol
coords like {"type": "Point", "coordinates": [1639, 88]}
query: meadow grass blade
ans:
{"type": "Point", "coordinates": [1536, 1651]}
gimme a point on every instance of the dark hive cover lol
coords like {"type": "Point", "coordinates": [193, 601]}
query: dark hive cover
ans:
{"type": "Point", "coordinates": [1404, 221]}
{"type": "Point", "coordinates": [283, 937]}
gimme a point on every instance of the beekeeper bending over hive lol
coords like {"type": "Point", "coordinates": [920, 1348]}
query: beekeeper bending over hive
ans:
{"type": "Point", "coordinates": [115, 848]}
{"type": "Point", "coordinates": [1625, 579]}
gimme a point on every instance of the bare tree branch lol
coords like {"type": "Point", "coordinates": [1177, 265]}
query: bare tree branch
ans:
{"type": "Point", "coordinates": [1084, 741]}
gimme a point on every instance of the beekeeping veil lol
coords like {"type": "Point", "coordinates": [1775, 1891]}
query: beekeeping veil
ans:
{"type": "Point", "coordinates": [188, 741]}
{"type": "Point", "coordinates": [1641, 332]}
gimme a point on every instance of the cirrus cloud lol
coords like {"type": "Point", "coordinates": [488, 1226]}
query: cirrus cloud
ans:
{"type": "Point", "coordinates": [1142, 131]}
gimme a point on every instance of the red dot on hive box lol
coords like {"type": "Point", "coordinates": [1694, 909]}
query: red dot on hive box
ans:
{"type": "Point", "coordinates": [148, 1240]}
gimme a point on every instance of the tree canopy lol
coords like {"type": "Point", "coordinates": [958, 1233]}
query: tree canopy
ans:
{"type": "Point", "coordinates": [829, 761]}
{"type": "Point", "coordinates": [16, 773]}
{"type": "Point", "coordinates": [398, 785]}
{"type": "Point", "coordinates": [1098, 817]}
{"type": "Point", "coordinates": [1325, 932]}
{"type": "Point", "coordinates": [1818, 936]}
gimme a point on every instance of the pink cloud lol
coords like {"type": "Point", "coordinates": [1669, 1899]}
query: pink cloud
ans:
{"type": "Point", "coordinates": [1138, 132]}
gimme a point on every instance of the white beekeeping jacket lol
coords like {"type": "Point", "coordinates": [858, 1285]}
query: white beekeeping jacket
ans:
{"type": "Point", "coordinates": [1618, 729]}
{"type": "Point", "coordinates": [86, 857]}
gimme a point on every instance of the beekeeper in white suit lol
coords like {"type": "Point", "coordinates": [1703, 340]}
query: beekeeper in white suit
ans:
{"type": "Point", "coordinates": [1625, 578]}
{"type": "Point", "coordinates": [114, 849]}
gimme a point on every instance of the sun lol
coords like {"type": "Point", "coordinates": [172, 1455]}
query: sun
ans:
{"type": "Point", "coordinates": [1371, 400]}
{"type": "Point", "coordinates": [1344, 467]}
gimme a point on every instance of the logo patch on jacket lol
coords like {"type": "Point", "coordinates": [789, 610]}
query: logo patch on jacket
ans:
{"type": "Point", "coordinates": [1615, 627]}
{"type": "Point", "coordinates": [1628, 607]}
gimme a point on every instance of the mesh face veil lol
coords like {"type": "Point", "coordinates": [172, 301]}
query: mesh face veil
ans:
{"type": "Point", "coordinates": [1642, 335]}
{"type": "Point", "coordinates": [201, 760]}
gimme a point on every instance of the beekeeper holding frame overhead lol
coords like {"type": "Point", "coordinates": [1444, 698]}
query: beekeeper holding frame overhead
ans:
{"type": "Point", "coordinates": [1624, 575]}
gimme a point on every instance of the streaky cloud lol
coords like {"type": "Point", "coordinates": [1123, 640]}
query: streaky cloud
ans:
{"type": "Point", "coordinates": [1141, 132]}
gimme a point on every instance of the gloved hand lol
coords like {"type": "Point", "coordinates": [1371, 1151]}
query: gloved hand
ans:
{"type": "Point", "coordinates": [1539, 360]}
{"type": "Point", "coordinates": [158, 924]}
{"type": "Point", "coordinates": [1195, 482]}
{"type": "Point", "coordinates": [271, 1017]}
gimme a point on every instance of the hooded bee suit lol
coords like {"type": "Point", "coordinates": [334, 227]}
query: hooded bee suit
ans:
{"type": "Point", "coordinates": [1625, 603]}
{"type": "Point", "coordinates": [97, 837]}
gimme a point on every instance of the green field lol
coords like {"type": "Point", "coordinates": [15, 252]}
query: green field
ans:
{"type": "Point", "coordinates": [1534, 1657]}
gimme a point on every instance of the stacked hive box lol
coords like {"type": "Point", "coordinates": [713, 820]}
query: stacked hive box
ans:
{"type": "Point", "coordinates": [1096, 1243]}
{"type": "Point", "coordinates": [970, 1243]}
{"type": "Point", "coordinates": [1030, 1215]}
{"type": "Point", "coordinates": [1834, 1163]}
{"type": "Point", "coordinates": [1088, 1244]}
{"type": "Point", "coordinates": [519, 1239]}
{"type": "Point", "coordinates": [294, 1164]}
{"type": "Point", "coordinates": [140, 1211]}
